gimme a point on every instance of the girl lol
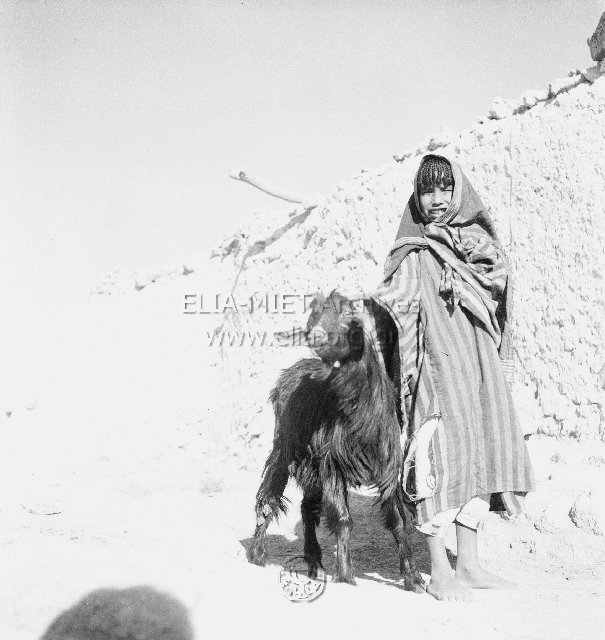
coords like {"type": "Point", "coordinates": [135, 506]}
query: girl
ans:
{"type": "Point", "coordinates": [447, 287]}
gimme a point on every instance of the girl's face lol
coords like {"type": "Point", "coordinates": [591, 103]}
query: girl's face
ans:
{"type": "Point", "coordinates": [435, 201]}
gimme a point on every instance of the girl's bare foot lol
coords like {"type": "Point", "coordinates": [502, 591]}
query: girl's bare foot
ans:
{"type": "Point", "coordinates": [447, 587]}
{"type": "Point", "coordinates": [443, 584]}
{"type": "Point", "coordinates": [469, 571]}
{"type": "Point", "coordinates": [478, 578]}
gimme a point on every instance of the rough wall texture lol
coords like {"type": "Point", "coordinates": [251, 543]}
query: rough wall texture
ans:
{"type": "Point", "coordinates": [541, 172]}
{"type": "Point", "coordinates": [538, 163]}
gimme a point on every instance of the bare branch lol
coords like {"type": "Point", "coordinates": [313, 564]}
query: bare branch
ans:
{"type": "Point", "coordinates": [40, 513]}
{"type": "Point", "coordinates": [307, 201]}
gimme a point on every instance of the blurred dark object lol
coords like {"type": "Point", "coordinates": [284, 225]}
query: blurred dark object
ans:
{"type": "Point", "coordinates": [136, 613]}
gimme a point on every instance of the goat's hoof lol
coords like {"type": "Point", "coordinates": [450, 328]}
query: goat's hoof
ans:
{"type": "Point", "coordinates": [348, 579]}
{"type": "Point", "coordinates": [414, 583]}
{"type": "Point", "coordinates": [418, 588]}
{"type": "Point", "coordinates": [258, 558]}
{"type": "Point", "coordinates": [314, 569]}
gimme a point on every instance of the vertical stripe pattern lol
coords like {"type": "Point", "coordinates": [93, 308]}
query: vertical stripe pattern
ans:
{"type": "Point", "coordinates": [450, 367]}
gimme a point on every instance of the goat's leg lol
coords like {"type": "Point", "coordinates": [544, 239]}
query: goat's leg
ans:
{"type": "Point", "coordinates": [340, 524]}
{"type": "Point", "coordinates": [411, 569]}
{"type": "Point", "coordinates": [269, 503]}
{"type": "Point", "coordinates": [395, 519]}
{"type": "Point", "coordinates": [311, 513]}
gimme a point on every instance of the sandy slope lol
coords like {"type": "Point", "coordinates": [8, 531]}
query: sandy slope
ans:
{"type": "Point", "coordinates": [133, 467]}
{"type": "Point", "coordinates": [131, 470]}
{"type": "Point", "coordinates": [158, 519]}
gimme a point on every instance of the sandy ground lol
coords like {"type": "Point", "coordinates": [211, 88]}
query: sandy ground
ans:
{"type": "Point", "coordinates": [118, 475]}
{"type": "Point", "coordinates": [156, 517]}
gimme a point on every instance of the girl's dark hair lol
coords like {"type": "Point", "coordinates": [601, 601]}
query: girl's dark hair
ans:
{"type": "Point", "coordinates": [434, 171]}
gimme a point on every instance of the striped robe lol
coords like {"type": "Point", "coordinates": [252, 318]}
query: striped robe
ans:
{"type": "Point", "coordinates": [462, 436]}
{"type": "Point", "coordinates": [447, 289]}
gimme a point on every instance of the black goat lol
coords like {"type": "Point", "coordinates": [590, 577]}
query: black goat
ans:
{"type": "Point", "coordinates": [336, 426]}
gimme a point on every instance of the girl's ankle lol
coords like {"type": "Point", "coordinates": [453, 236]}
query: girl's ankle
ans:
{"type": "Point", "coordinates": [441, 573]}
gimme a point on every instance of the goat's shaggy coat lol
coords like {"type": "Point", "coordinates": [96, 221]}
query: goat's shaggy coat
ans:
{"type": "Point", "coordinates": [335, 427]}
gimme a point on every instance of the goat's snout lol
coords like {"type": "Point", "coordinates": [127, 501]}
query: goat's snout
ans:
{"type": "Point", "coordinates": [317, 337]}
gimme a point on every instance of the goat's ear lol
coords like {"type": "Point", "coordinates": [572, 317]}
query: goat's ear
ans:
{"type": "Point", "coordinates": [338, 297]}
{"type": "Point", "coordinates": [318, 302]}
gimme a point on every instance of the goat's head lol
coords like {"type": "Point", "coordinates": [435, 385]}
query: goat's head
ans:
{"type": "Point", "coordinates": [335, 329]}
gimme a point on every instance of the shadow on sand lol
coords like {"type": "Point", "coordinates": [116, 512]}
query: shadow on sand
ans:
{"type": "Point", "coordinates": [373, 549]}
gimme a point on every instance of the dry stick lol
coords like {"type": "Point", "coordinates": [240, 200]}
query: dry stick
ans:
{"type": "Point", "coordinates": [230, 317]}
{"type": "Point", "coordinates": [308, 201]}
{"type": "Point", "coordinates": [40, 513]}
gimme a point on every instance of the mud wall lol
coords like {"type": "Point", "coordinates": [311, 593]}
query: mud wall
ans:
{"type": "Point", "coordinates": [539, 165]}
